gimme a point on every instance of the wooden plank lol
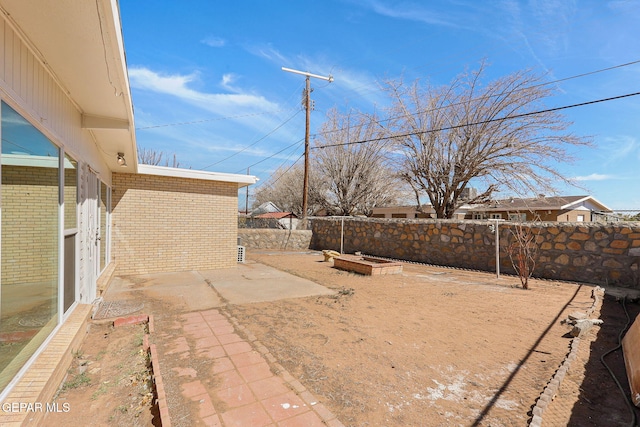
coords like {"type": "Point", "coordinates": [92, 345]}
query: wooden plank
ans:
{"type": "Point", "coordinates": [631, 352]}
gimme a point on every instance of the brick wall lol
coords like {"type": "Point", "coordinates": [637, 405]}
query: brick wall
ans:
{"type": "Point", "coordinates": [172, 224]}
{"type": "Point", "coordinates": [29, 225]}
{"type": "Point", "coordinates": [603, 254]}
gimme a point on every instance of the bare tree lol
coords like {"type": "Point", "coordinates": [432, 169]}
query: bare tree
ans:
{"type": "Point", "coordinates": [523, 251]}
{"type": "Point", "coordinates": [357, 175]}
{"type": "Point", "coordinates": [493, 134]}
{"type": "Point", "coordinates": [284, 189]}
{"type": "Point", "coordinates": [149, 156]}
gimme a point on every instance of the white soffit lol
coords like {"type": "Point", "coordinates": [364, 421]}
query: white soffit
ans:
{"type": "Point", "coordinates": [241, 180]}
{"type": "Point", "coordinates": [80, 43]}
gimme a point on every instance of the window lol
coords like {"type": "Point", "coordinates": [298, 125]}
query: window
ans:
{"type": "Point", "coordinates": [30, 240]}
{"type": "Point", "coordinates": [478, 215]}
{"type": "Point", "coordinates": [580, 218]}
{"type": "Point", "coordinates": [518, 217]}
{"type": "Point", "coordinates": [495, 216]}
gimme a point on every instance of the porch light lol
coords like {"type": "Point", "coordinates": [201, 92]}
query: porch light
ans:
{"type": "Point", "coordinates": [121, 160]}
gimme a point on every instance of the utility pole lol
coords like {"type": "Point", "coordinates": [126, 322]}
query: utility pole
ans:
{"type": "Point", "coordinates": [307, 106]}
{"type": "Point", "coordinates": [246, 200]}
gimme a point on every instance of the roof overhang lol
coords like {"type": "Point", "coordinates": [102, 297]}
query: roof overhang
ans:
{"type": "Point", "coordinates": [240, 180]}
{"type": "Point", "coordinates": [81, 45]}
{"type": "Point", "coordinates": [590, 199]}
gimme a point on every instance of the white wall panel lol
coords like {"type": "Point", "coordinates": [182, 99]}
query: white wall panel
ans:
{"type": "Point", "coordinates": [30, 88]}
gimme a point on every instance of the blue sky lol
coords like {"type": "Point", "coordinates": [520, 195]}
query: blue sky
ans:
{"type": "Point", "coordinates": [207, 83]}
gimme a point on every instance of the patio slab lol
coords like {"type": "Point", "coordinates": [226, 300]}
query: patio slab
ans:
{"type": "Point", "coordinates": [191, 290]}
{"type": "Point", "coordinates": [253, 282]}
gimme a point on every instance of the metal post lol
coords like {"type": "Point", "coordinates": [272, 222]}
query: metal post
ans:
{"type": "Point", "coordinates": [497, 250]}
{"type": "Point", "coordinates": [342, 237]}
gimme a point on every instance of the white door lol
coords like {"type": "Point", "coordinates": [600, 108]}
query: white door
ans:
{"type": "Point", "coordinates": [93, 232]}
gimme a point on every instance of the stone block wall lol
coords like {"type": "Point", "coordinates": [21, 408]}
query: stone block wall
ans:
{"type": "Point", "coordinates": [603, 254]}
{"type": "Point", "coordinates": [274, 239]}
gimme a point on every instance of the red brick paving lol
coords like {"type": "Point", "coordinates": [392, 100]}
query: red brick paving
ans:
{"type": "Point", "coordinates": [238, 386]}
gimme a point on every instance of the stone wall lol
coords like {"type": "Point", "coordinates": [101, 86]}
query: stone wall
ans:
{"type": "Point", "coordinates": [603, 254]}
{"type": "Point", "coordinates": [274, 239]}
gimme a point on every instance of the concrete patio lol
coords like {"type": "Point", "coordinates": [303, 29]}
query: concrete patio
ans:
{"type": "Point", "coordinates": [214, 372]}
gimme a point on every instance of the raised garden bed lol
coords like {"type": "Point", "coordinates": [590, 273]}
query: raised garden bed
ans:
{"type": "Point", "coordinates": [367, 265]}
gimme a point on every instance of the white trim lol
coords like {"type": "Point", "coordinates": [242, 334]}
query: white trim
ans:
{"type": "Point", "coordinates": [584, 199]}
{"type": "Point", "coordinates": [241, 180]}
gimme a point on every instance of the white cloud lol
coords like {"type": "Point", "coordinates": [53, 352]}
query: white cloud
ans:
{"type": "Point", "coordinates": [228, 80]}
{"type": "Point", "coordinates": [594, 177]}
{"type": "Point", "coordinates": [621, 147]}
{"type": "Point", "coordinates": [412, 12]}
{"type": "Point", "coordinates": [359, 86]}
{"type": "Point", "coordinates": [178, 86]}
{"type": "Point", "coordinates": [214, 41]}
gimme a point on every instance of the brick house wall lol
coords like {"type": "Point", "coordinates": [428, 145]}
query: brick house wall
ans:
{"type": "Point", "coordinates": [162, 224]}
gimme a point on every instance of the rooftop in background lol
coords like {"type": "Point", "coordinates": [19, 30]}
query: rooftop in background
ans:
{"type": "Point", "coordinates": [540, 203]}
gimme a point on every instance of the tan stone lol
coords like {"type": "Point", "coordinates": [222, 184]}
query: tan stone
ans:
{"type": "Point", "coordinates": [456, 232]}
{"type": "Point", "coordinates": [553, 230]}
{"type": "Point", "coordinates": [574, 246]}
{"type": "Point", "coordinates": [546, 246]}
{"type": "Point", "coordinates": [635, 244]}
{"type": "Point", "coordinates": [619, 244]}
{"type": "Point", "coordinates": [562, 259]}
{"type": "Point", "coordinates": [560, 246]}
{"type": "Point", "coordinates": [599, 235]}
{"type": "Point", "coordinates": [580, 236]}
{"type": "Point", "coordinates": [613, 251]}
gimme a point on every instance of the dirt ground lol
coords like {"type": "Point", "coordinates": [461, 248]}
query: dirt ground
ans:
{"type": "Point", "coordinates": [429, 347]}
{"type": "Point", "coordinates": [108, 383]}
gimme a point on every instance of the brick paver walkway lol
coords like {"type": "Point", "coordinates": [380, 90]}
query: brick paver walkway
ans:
{"type": "Point", "coordinates": [233, 382]}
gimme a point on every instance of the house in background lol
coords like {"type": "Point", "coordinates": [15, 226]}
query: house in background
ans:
{"type": "Point", "coordinates": [541, 208]}
{"type": "Point", "coordinates": [285, 220]}
{"type": "Point", "coordinates": [403, 212]}
{"type": "Point", "coordinates": [75, 203]}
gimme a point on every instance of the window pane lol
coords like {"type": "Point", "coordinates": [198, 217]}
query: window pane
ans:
{"type": "Point", "coordinates": [29, 241]}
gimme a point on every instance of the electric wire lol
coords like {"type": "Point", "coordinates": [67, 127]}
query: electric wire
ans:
{"type": "Point", "coordinates": [300, 141]}
{"type": "Point", "coordinates": [498, 119]}
{"type": "Point", "coordinates": [255, 142]}
{"type": "Point", "coordinates": [193, 122]}
{"type": "Point", "coordinates": [271, 184]}
{"type": "Point", "coordinates": [481, 98]}
{"type": "Point", "coordinates": [620, 335]}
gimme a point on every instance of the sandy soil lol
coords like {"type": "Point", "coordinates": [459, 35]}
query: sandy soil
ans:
{"type": "Point", "coordinates": [108, 383]}
{"type": "Point", "coordinates": [428, 347]}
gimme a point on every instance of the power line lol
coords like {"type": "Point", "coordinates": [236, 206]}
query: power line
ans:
{"type": "Point", "coordinates": [254, 143]}
{"type": "Point", "coordinates": [221, 118]}
{"type": "Point", "coordinates": [480, 122]}
{"type": "Point", "coordinates": [480, 98]}
{"type": "Point", "coordinates": [271, 184]}
{"type": "Point", "coordinates": [300, 141]}
{"type": "Point", "coordinates": [240, 116]}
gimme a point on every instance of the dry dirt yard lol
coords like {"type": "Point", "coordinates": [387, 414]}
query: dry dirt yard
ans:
{"type": "Point", "coordinates": [109, 382]}
{"type": "Point", "coordinates": [428, 347]}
